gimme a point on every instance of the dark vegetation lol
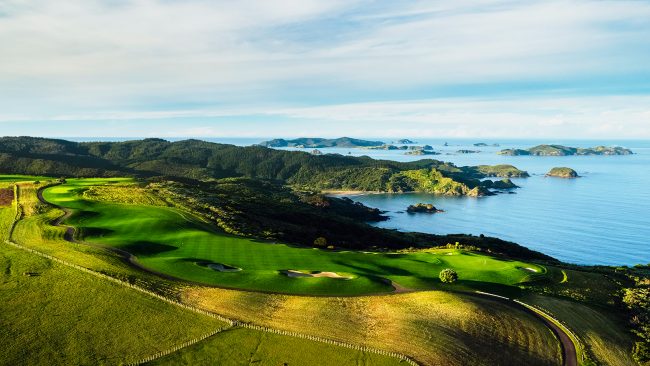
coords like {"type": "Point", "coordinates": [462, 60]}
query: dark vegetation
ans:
{"type": "Point", "coordinates": [637, 300]}
{"type": "Point", "coordinates": [200, 160]}
{"type": "Point", "coordinates": [6, 196]}
{"type": "Point", "coordinates": [270, 211]}
{"type": "Point", "coordinates": [422, 207]}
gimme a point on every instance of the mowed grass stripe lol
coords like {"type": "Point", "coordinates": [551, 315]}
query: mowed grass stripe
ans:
{"type": "Point", "coordinates": [164, 239]}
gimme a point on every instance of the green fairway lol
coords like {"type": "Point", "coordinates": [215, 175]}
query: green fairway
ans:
{"type": "Point", "coordinates": [170, 241]}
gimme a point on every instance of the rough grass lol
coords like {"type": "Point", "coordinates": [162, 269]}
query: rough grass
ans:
{"type": "Point", "coordinates": [170, 241]}
{"type": "Point", "coordinates": [22, 178]}
{"type": "Point", "coordinates": [52, 314]}
{"type": "Point", "coordinates": [435, 327]}
{"type": "Point", "coordinates": [245, 347]}
{"type": "Point", "coordinates": [602, 332]}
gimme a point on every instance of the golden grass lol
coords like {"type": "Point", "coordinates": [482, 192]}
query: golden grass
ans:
{"type": "Point", "coordinates": [603, 333]}
{"type": "Point", "coordinates": [436, 328]}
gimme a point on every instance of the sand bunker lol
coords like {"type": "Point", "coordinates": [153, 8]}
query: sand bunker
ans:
{"type": "Point", "coordinates": [219, 267]}
{"type": "Point", "coordinates": [299, 274]}
{"type": "Point", "coordinates": [528, 269]}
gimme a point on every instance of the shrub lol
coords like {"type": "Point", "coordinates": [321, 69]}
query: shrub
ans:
{"type": "Point", "coordinates": [320, 242]}
{"type": "Point", "coordinates": [448, 275]}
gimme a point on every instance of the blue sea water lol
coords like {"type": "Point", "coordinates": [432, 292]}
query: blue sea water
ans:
{"type": "Point", "coordinates": [601, 218]}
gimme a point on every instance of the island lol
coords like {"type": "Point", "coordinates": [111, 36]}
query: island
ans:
{"type": "Point", "coordinates": [499, 184]}
{"type": "Point", "coordinates": [319, 143]}
{"type": "Point", "coordinates": [561, 150]}
{"type": "Point", "coordinates": [483, 144]}
{"type": "Point", "coordinates": [405, 142]}
{"type": "Point", "coordinates": [562, 172]}
{"type": "Point", "coordinates": [385, 147]}
{"type": "Point", "coordinates": [421, 152]}
{"type": "Point", "coordinates": [502, 170]}
{"type": "Point", "coordinates": [463, 151]}
{"type": "Point", "coordinates": [422, 208]}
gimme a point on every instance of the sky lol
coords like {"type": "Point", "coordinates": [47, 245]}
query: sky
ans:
{"type": "Point", "coordinates": [291, 68]}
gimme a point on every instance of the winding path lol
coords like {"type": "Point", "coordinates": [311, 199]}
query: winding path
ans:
{"type": "Point", "coordinates": [569, 352]}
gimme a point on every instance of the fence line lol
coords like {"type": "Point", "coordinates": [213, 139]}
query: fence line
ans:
{"type": "Point", "coordinates": [177, 347]}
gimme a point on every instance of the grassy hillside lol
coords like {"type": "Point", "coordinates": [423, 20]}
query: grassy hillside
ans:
{"type": "Point", "coordinates": [245, 347]}
{"type": "Point", "coordinates": [172, 242]}
{"type": "Point", "coordinates": [200, 160]}
{"type": "Point", "coordinates": [435, 327]}
{"type": "Point", "coordinates": [52, 314]}
{"type": "Point", "coordinates": [602, 331]}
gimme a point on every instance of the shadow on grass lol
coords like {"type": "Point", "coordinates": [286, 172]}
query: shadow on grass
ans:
{"type": "Point", "coordinates": [147, 248]}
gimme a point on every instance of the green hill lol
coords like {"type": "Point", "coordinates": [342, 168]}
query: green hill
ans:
{"type": "Point", "coordinates": [201, 160]}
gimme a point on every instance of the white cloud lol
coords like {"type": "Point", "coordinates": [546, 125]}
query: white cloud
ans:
{"type": "Point", "coordinates": [146, 59]}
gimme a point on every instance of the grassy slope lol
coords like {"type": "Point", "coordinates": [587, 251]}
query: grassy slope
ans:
{"type": "Point", "coordinates": [245, 347]}
{"type": "Point", "coordinates": [63, 316]}
{"type": "Point", "coordinates": [166, 240]}
{"type": "Point", "coordinates": [436, 327]}
{"type": "Point", "coordinates": [602, 332]}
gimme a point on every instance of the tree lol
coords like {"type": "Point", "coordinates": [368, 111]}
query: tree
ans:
{"type": "Point", "coordinates": [320, 242]}
{"type": "Point", "coordinates": [448, 275]}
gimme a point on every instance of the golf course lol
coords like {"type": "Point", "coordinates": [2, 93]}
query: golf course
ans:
{"type": "Point", "coordinates": [356, 307]}
{"type": "Point", "coordinates": [173, 242]}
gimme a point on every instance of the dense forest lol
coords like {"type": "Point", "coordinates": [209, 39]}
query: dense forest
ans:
{"type": "Point", "coordinates": [201, 160]}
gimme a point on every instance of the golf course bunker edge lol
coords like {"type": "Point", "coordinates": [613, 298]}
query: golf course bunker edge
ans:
{"type": "Point", "coordinates": [311, 274]}
{"type": "Point", "coordinates": [219, 267]}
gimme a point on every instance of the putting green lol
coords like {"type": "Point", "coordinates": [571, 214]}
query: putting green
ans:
{"type": "Point", "coordinates": [170, 241]}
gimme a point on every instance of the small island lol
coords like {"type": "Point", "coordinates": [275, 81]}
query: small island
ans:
{"type": "Point", "coordinates": [386, 147]}
{"type": "Point", "coordinates": [499, 184]}
{"type": "Point", "coordinates": [422, 208]}
{"type": "Point", "coordinates": [421, 152]}
{"type": "Point", "coordinates": [405, 142]}
{"type": "Point", "coordinates": [562, 172]}
{"type": "Point", "coordinates": [319, 143]}
{"type": "Point", "coordinates": [463, 151]}
{"type": "Point", "coordinates": [561, 150]}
